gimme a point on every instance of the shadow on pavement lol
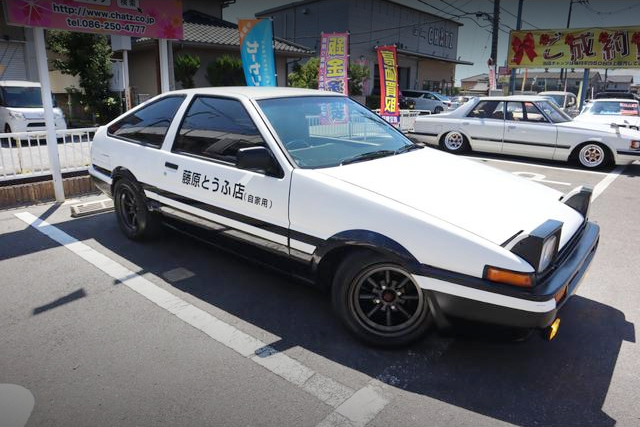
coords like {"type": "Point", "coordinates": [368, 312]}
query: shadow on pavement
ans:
{"type": "Point", "coordinates": [478, 367]}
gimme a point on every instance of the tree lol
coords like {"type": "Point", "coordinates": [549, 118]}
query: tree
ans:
{"type": "Point", "coordinates": [306, 76]}
{"type": "Point", "coordinates": [89, 57]}
{"type": "Point", "coordinates": [225, 71]}
{"type": "Point", "coordinates": [185, 68]}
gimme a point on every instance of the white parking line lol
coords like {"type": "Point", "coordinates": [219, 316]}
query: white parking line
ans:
{"type": "Point", "coordinates": [523, 163]}
{"type": "Point", "coordinates": [602, 185]}
{"type": "Point", "coordinates": [357, 406]}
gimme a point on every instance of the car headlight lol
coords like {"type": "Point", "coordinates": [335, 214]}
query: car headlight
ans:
{"type": "Point", "coordinates": [16, 115]}
{"type": "Point", "coordinates": [540, 247]}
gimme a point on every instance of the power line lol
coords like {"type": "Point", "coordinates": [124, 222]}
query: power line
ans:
{"type": "Point", "coordinates": [614, 12]}
{"type": "Point", "coordinates": [462, 16]}
{"type": "Point", "coordinates": [522, 20]}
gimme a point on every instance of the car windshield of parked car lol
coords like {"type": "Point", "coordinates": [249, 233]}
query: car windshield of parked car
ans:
{"type": "Point", "coordinates": [553, 112]}
{"type": "Point", "coordinates": [21, 97]}
{"type": "Point", "coordinates": [327, 131]}
{"type": "Point", "coordinates": [558, 99]}
{"type": "Point", "coordinates": [612, 108]}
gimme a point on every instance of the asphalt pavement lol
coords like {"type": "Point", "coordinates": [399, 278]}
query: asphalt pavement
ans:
{"type": "Point", "coordinates": [102, 331]}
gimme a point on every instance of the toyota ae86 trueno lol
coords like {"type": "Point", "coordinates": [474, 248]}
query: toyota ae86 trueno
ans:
{"type": "Point", "coordinates": [402, 235]}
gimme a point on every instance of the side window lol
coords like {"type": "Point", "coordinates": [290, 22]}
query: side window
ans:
{"type": "Point", "coordinates": [148, 125]}
{"type": "Point", "coordinates": [533, 113]}
{"type": "Point", "coordinates": [515, 111]}
{"type": "Point", "coordinates": [484, 109]}
{"type": "Point", "coordinates": [216, 128]}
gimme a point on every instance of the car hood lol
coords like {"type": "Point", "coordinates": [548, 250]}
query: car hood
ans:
{"type": "Point", "coordinates": [607, 120]}
{"type": "Point", "coordinates": [479, 199]}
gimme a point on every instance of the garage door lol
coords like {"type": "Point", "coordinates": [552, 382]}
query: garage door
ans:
{"type": "Point", "coordinates": [12, 65]}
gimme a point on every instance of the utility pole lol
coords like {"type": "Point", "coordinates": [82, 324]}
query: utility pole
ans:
{"type": "Point", "coordinates": [494, 32]}
{"type": "Point", "coordinates": [512, 81]}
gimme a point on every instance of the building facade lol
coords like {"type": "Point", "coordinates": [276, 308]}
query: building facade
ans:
{"type": "Point", "coordinates": [427, 44]}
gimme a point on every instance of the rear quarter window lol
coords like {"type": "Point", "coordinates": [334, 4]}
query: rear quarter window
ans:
{"type": "Point", "coordinates": [148, 125]}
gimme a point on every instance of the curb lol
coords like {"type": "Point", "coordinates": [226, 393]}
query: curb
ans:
{"type": "Point", "coordinates": [37, 192]}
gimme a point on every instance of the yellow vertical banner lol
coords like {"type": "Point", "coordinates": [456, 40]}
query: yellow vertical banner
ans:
{"type": "Point", "coordinates": [388, 67]}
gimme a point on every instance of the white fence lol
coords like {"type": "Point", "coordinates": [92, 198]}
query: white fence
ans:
{"type": "Point", "coordinates": [25, 154]}
{"type": "Point", "coordinates": [408, 118]}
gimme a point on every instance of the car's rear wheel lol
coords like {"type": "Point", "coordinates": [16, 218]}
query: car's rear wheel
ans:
{"type": "Point", "coordinates": [438, 110]}
{"type": "Point", "coordinates": [134, 218]}
{"type": "Point", "coordinates": [454, 142]}
{"type": "Point", "coordinates": [379, 300]}
{"type": "Point", "coordinates": [592, 156]}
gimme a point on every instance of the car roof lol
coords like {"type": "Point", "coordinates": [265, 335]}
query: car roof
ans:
{"type": "Point", "coordinates": [19, 83]}
{"type": "Point", "coordinates": [255, 92]}
{"type": "Point", "coordinates": [522, 98]}
{"type": "Point", "coordinates": [625, 100]}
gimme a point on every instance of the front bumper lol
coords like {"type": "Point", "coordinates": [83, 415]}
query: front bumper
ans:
{"type": "Point", "coordinates": [481, 300]}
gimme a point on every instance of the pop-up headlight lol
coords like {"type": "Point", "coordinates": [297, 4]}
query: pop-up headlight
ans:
{"type": "Point", "coordinates": [540, 247]}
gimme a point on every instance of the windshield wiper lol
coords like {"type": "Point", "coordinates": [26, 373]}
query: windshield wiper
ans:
{"type": "Point", "coordinates": [409, 147]}
{"type": "Point", "coordinates": [368, 156]}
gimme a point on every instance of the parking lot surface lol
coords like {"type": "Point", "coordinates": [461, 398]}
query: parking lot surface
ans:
{"type": "Point", "coordinates": [104, 331]}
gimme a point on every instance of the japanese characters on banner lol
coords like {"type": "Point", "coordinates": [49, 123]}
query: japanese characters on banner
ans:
{"type": "Point", "coordinates": [334, 63]}
{"type": "Point", "coordinates": [388, 67]}
{"type": "Point", "coordinates": [256, 51]}
{"type": "Point", "coordinates": [135, 18]}
{"type": "Point", "coordinates": [617, 47]}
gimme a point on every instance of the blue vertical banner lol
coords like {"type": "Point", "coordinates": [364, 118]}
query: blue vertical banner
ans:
{"type": "Point", "coordinates": [256, 51]}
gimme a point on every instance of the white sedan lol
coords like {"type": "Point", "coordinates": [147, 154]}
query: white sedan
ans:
{"type": "Point", "coordinates": [318, 186]}
{"type": "Point", "coordinates": [608, 111]}
{"type": "Point", "coordinates": [530, 126]}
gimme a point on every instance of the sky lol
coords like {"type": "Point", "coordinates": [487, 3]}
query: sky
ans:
{"type": "Point", "coordinates": [474, 37]}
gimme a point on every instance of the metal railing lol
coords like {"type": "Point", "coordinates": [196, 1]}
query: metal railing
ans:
{"type": "Point", "coordinates": [408, 118]}
{"type": "Point", "coordinates": [25, 154]}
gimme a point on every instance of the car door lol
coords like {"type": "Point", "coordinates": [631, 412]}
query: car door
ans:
{"type": "Point", "coordinates": [484, 125]}
{"type": "Point", "coordinates": [528, 132]}
{"type": "Point", "coordinates": [202, 180]}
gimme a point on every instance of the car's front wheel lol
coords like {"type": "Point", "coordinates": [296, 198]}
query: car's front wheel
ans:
{"type": "Point", "coordinates": [438, 110]}
{"type": "Point", "coordinates": [592, 156]}
{"type": "Point", "coordinates": [379, 301]}
{"type": "Point", "coordinates": [134, 218]}
{"type": "Point", "coordinates": [454, 142]}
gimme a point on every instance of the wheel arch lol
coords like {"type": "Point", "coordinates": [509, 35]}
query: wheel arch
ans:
{"type": "Point", "coordinates": [460, 131]}
{"type": "Point", "coordinates": [328, 256]}
{"type": "Point", "coordinates": [119, 173]}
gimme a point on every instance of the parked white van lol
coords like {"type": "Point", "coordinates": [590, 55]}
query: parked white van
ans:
{"type": "Point", "coordinates": [21, 108]}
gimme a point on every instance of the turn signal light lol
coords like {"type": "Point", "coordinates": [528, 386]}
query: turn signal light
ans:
{"type": "Point", "coordinates": [524, 280]}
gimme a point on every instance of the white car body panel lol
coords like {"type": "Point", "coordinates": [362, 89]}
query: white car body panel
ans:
{"type": "Point", "coordinates": [447, 213]}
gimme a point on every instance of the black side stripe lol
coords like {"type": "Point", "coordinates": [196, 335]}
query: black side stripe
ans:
{"type": "Point", "coordinates": [423, 133]}
{"type": "Point", "coordinates": [254, 222]}
{"type": "Point", "coordinates": [628, 152]}
{"type": "Point", "coordinates": [103, 171]}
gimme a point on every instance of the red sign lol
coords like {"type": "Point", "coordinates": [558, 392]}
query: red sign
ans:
{"type": "Point", "coordinates": [136, 18]}
{"type": "Point", "coordinates": [388, 67]}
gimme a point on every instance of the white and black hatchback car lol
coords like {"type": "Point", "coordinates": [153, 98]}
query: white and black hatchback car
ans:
{"type": "Point", "coordinates": [402, 235]}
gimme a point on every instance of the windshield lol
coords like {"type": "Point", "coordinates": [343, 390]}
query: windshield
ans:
{"type": "Point", "coordinates": [555, 114]}
{"type": "Point", "coordinates": [612, 108]}
{"type": "Point", "coordinates": [327, 131]}
{"type": "Point", "coordinates": [21, 97]}
{"type": "Point", "coordinates": [558, 99]}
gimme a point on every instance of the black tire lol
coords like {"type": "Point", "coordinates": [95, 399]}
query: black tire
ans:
{"type": "Point", "coordinates": [454, 142]}
{"type": "Point", "coordinates": [438, 110]}
{"type": "Point", "coordinates": [134, 218]}
{"type": "Point", "coordinates": [379, 301]}
{"type": "Point", "coordinates": [592, 155]}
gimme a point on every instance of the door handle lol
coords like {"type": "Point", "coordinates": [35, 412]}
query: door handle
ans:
{"type": "Point", "coordinates": [171, 165]}
{"type": "Point", "coordinates": [465, 123]}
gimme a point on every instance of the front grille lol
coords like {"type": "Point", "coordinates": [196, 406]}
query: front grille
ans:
{"type": "Point", "coordinates": [36, 125]}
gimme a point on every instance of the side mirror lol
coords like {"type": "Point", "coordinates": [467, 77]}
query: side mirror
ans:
{"type": "Point", "coordinates": [258, 159]}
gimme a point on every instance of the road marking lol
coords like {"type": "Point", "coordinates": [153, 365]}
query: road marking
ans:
{"type": "Point", "coordinates": [523, 163]}
{"type": "Point", "coordinates": [357, 406]}
{"type": "Point", "coordinates": [361, 407]}
{"type": "Point", "coordinates": [602, 185]}
{"type": "Point", "coordinates": [538, 177]}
